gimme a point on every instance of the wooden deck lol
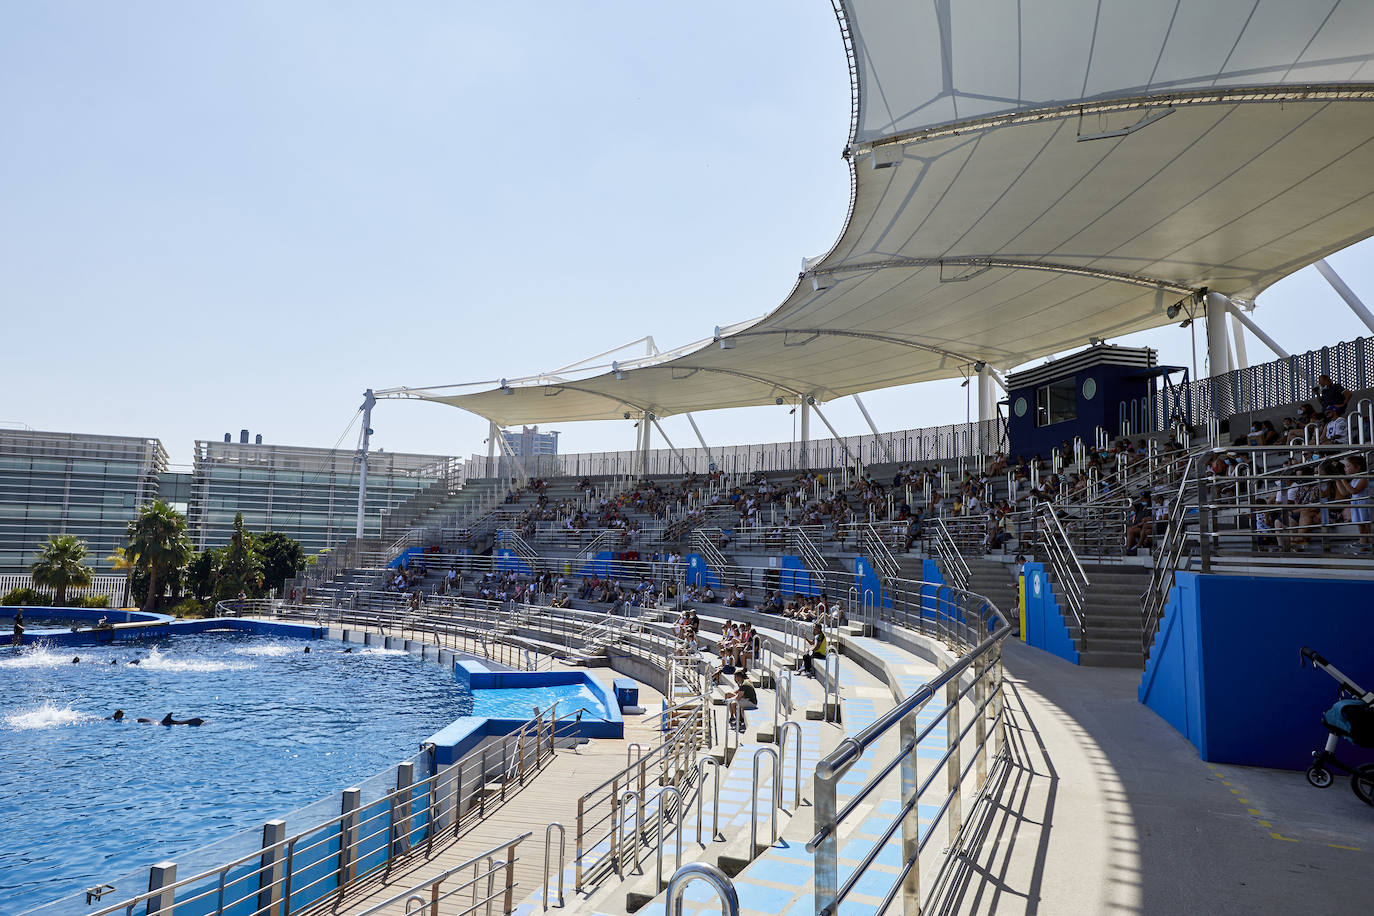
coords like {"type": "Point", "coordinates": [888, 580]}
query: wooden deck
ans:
{"type": "Point", "coordinates": [550, 796]}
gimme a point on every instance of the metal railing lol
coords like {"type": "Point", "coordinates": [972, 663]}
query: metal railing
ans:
{"type": "Point", "coordinates": [290, 874]}
{"type": "Point", "coordinates": [602, 815]}
{"type": "Point", "coordinates": [951, 557]}
{"type": "Point", "coordinates": [974, 685]}
{"type": "Point", "coordinates": [431, 892]}
{"type": "Point", "coordinates": [1068, 571]}
{"type": "Point", "coordinates": [872, 546]}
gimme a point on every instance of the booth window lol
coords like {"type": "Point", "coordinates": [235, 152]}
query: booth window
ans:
{"type": "Point", "coordinates": [1056, 402]}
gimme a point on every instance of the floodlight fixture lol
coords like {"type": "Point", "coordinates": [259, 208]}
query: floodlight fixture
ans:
{"type": "Point", "coordinates": [725, 342]}
{"type": "Point", "coordinates": [1185, 322]}
{"type": "Point", "coordinates": [505, 388]}
{"type": "Point", "coordinates": [778, 401]}
{"type": "Point", "coordinates": [1174, 309]}
{"type": "Point", "coordinates": [615, 367]}
{"type": "Point", "coordinates": [979, 366]}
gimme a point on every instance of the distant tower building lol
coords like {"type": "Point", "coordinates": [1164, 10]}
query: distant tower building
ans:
{"type": "Point", "coordinates": [530, 442]}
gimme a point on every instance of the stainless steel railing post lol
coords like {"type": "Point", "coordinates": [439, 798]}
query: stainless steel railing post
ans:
{"type": "Point", "coordinates": [782, 756]}
{"type": "Point", "coordinates": [562, 850]}
{"type": "Point", "coordinates": [953, 768]}
{"type": "Point", "coordinates": [668, 793]}
{"type": "Point", "coordinates": [677, 886]}
{"type": "Point", "coordinates": [621, 824]}
{"type": "Point", "coordinates": [714, 764]}
{"type": "Point", "coordinates": [775, 791]}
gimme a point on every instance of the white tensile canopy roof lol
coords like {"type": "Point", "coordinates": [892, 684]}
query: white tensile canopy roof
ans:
{"type": "Point", "coordinates": [1027, 175]}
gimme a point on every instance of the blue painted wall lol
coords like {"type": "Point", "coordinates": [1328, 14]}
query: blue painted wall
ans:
{"type": "Point", "coordinates": [1045, 628]}
{"type": "Point", "coordinates": [698, 573]}
{"type": "Point", "coordinates": [1224, 668]}
{"type": "Point", "coordinates": [795, 579]}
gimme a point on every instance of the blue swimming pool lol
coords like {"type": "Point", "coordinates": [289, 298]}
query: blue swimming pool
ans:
{"type": "Point", "coordinates": [520, 702]}
{"type": "Point", "coordinates": [83, 798]}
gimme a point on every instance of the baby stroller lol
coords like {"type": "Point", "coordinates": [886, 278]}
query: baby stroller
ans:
{"type": "Point", "coordinates": [1351, 717]}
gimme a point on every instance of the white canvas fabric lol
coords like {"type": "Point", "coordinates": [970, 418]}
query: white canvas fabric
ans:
{"type": "Point", "coordinates": [1031, 174]}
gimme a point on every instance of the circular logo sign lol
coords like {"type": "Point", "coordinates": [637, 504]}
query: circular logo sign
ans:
{"type": "Point", "coordinates": [1089, 388]}
{"type": "Point", "coordinates": [1020, 407]}
{"type": "Point", "coordinates": [1035, 584]}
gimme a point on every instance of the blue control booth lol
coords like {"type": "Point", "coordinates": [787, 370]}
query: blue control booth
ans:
{"type": "Point", "coordinates": [1104, 387]}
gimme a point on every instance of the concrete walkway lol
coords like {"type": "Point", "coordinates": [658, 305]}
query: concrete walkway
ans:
{"type": "Point", "coordinates": [1106, 809]}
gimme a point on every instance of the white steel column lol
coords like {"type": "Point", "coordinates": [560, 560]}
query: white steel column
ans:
{"type": "Point", "coordinates": [1258, 331]}
{"type": "Point", "coordinates": [671, 447]}
{"type": "Point", "coordinates": [805, 431]}
{"type": "Point", "coordinates": [1218, 347]}
{"type": "Point", "coordinates": [986, 397]}
{"type": "Point", "coordinates": [1345, 292]}
{"type": "Point", "coordinates": [843, 445]}
{"type": "Point", "coordinates": [1238, 341]}
{"type": "Point", "coordinates": [690, 419]}
{"type": "Point", "coordinates": [877, 436]}
{"type": "Point", "coordinates": [369, 401]}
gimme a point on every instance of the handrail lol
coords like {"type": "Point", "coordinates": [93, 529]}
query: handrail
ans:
{"type": "Point", "coordinates": [562, 854]}
{"type": "Point", "coordinates": [1068, 572]}
{"type": "Point", "coordinates": [775, 799]}
{"type": "Point", "coordinates": [694, 871]}
{"type": "Point", "coordinates": [433, 883]}
{"type": "Point", "coordinates": [955, 566]}
{"type": "Point", "coordinates": [983, 663]}
{"type": "Point", "coordinates": [878, 553]}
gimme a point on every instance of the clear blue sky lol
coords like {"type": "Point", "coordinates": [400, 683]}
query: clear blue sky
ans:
{"type": "Point", "coordinates": [219, 216]}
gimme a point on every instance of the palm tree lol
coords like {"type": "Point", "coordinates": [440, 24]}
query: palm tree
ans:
{"type": "Point", "coordinates": [158, 545]}
{"type": "Point", "coordinates": [120, 562]}
{"type": "Point", "coordinates": [60, 566]}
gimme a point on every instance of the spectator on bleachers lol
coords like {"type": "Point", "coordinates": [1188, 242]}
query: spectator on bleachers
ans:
{"type": "Point", "coordinates": [1331, 394]}
{"type": "Point", "coordinates": [1356, 488]}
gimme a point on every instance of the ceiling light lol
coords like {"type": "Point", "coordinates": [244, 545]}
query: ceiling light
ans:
{"type": "Point", "coordinates": [1174, 309]}
{"type": "Point", "coordinates": [1185, 322]}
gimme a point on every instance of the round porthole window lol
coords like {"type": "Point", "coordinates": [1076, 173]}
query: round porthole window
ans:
{"type": "Point", "coordinates": [1089, 388]}
{"type": "Point", "coordinates": [1020, 407]}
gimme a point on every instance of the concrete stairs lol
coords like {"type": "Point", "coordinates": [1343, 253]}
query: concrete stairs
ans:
{"type": "Point", "coordinates": [1111, 613]}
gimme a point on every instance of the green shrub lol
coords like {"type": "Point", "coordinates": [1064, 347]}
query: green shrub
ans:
{"type": "Point", "coordinates": [93, 601]}
{"type": "Point", "coordinates": [26, 597]}
{"type": "Point", "coordinates": [190, 607]}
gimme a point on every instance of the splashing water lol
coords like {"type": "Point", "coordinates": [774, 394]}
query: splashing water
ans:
{"type": "Point", "coordinates": [268, 651]}
{"type": "Point", "coordinates": [384, 652]}
{"type": "Point", "coordinates": [48, 715]}
{"type": "Point", "coordinates": [35, 656]}
{"type": "Point", "coordinates": [156, 661]}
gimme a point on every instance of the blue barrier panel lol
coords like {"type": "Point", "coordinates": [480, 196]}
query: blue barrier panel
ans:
{"type": "Point", "coordinates": [698, 573]}
{"type": "Point", "coordinates": [1224, 669]}
{"type": "Point", "coordinates": [1045, 625]}
{"type": "Point", "coordinates": [507, 561]}
{"type": "Point", "coordinates": [315, 871]}
{"type": "Point", "coordinates": [374, 835]}
{"type": "Point", "coordinates": [930, 603]}
{"type": "Point", "coordinates": [795, 579]}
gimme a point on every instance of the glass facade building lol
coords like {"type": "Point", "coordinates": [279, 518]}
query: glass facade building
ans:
{"type": "Point", "coordinates": [68, 483]}
{"type": "Point", "coordinates": [310, 494]}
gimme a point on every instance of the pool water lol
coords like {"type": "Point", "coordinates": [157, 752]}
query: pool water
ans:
{"type": "Point", "coordinates": [520, 702]}
{"type": "Point", "coordinates": [85, 799]}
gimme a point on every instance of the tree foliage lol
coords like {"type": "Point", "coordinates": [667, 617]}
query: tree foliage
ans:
{"type": "Point", "coordinates": [158, 548]}
{"type": "Point", "coordinates": [240, 569]}
{"type": "Point", "coordinates": [282, 558]}
{"type": "Point", "coordinates": [61, 564]}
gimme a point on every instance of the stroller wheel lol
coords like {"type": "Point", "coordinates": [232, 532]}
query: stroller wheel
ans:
{"type": "Point", "coordinates": [1362, 781]}
{"type": "Point", "coordinates": [1319, 776]}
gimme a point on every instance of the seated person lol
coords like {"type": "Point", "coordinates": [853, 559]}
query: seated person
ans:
{"type": "Point", "coordinates": [736, 598]}
{"type": "Point", "coordinates": [1332, 395]}
{"type": "Point", "coordinates": [816, 650]}
{"type": "Point", "coordinates": [742, 698]}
